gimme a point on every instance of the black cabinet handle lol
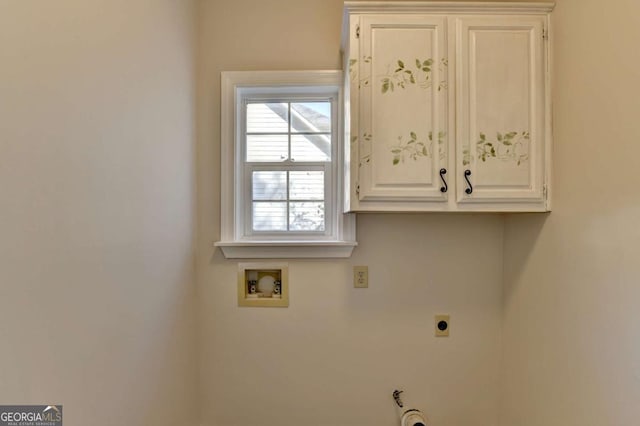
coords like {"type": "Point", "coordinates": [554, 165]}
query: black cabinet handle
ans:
{"type": "Point", "coordinates": [469, 190]}
{"type": "Point", "coordinates": [444, 188]}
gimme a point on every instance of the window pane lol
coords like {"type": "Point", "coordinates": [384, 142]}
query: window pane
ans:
{"type": "Point", "coordinates": [267, 147]}
{"type": "Point", "coordinates": [307, 185]}
{"type": "Point", "coordinates": [269, 185]}
{"type": "Point", "coordinates": [311, 117]}
{"type": "Point", "coordinates": [311, 148]}
{"type": "Point", "coordinates": [306, 216]}
{"type": "Point", "coordinates": [269, 216]}
{"type": "Point", "coordinates": [267, 118]}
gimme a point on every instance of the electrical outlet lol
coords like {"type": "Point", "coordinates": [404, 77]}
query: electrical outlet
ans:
{"type": "Point", "coordinates": [442, 325]}
{"type": "Point", "coordinates": [361, 276]}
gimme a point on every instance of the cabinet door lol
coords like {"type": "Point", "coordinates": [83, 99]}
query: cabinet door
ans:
{"type": "Point", "coordinates": [500, 110]}
{"type": "Point", "coordinates": [402, 136]}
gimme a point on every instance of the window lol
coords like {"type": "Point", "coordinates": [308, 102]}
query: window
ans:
{"type": "Point", "coordinates": [287, 163]}
{"type": "Point", "coordinates": [282, 164]}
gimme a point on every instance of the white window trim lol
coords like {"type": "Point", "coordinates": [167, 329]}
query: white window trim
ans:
{"type": "Point", "coordinates": [233, 243]}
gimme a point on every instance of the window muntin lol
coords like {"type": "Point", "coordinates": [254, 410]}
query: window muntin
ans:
{"type": "Point", "coordinates": [289, 144]}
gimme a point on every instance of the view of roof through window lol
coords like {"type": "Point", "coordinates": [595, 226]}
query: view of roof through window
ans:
{"type": "Point", "coordinates": [298, 131]}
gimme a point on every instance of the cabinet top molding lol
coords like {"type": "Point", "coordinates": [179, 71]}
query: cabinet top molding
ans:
{"type": "Point", "coordinates": [446, 6]}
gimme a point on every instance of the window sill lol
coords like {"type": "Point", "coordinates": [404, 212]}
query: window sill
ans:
{"type": "Point", "coordinates": [286, 249]}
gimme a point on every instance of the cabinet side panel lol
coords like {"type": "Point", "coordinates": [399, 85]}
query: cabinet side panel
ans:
{"type": "Point", "coordinates": [352, 100]}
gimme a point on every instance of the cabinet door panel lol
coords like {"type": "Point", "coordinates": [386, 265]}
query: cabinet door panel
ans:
{"type": "Point", "coordinates": [403, 94]}
{"type": "Point", "coordinates": [500, 109]}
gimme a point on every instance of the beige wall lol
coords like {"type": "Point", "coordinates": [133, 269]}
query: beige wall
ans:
{"type": "Point", "coordinates": [572, 319]}
{"type": "Point", "coordinates": [336, 354]}
{"type": "Point", "coordinates": [97, 209]}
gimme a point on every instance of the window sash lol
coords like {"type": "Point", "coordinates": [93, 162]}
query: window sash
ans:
{"type": "Point", "coordinates": [328, 199]}
{"type": "Point", "coordinates": [330, 168]}
{"type": "Point", "coordinates": [332, 99]}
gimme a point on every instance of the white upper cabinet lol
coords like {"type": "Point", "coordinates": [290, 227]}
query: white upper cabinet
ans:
{"type": "Point", "coordinates": [448, 106]}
